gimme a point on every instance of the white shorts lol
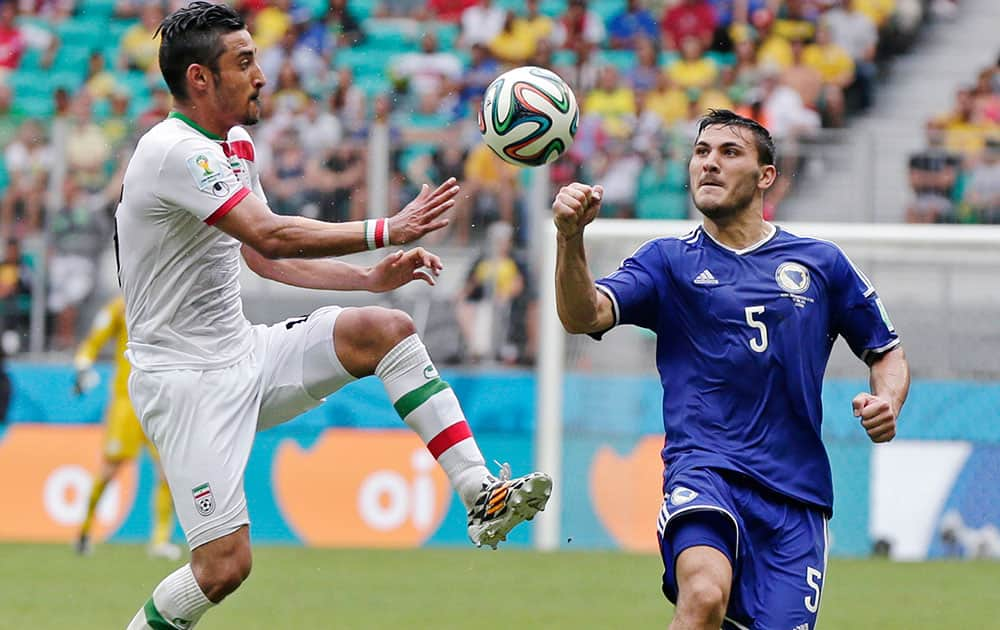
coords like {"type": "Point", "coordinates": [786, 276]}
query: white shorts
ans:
{"type": "Point", "coordinates": [203, 422]}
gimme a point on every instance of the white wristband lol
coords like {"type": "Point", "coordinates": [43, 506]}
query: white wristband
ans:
{"type": "Point", "coordinates": [377, 233]}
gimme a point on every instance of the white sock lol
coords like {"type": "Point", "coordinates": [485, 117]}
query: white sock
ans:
{"type": "Point", "coordinates": [177, 602]}
{"type": "Point", "coordinates": [429, 407]}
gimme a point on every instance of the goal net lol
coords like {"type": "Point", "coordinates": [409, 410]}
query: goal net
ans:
{"type": "Point", "coordinates": [599, 424]}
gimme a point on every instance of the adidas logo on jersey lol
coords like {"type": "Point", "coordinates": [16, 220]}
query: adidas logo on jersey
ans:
{"type": "Point", "coordinates": [705, 277]}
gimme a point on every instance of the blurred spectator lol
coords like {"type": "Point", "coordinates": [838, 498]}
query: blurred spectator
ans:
{"type": "Point", "coordinates": [79, 232]}
{"type": "Point", "coordinates": [399, 9]}
{"type": "Point", "coordinates": [789, 117]}
{"type": "Point", "coordinates": [159, 108]}
{"type": "Point", "coordinates": [693, 69]}
{"type": "Point", "coordinates": [667, 102]}
{"type": "Point", "coordinates": [271, 22]}
{"type": "Point", "coordinates": [118, 126]}
{"type": "Point", "coordinates": [12, 43]}
{"type": "Point", "coordinates": [613, 102]}
{"type": "Point", "coordinates": [429, 71]}
{"type": "Point", "coordinates": [99, 81]}
{"type": "Point", "coordinates": [982, 193]}
{"type": "Point", "coordinates": [348, 102]}
{"type": "Point", "coordinates": [688, 18]}
{"type": "Point", "coordinates": [515, 43]}
{"type": "Point", "coordinates": [617, 167]}
{"type": "Point", "coordinates": [421, 132]}
{"type": "Point", "coordinates": [11, 115]}
{"type": "Point", "coordinates": [537, 22]}
{"type": "Point", "coordinates": [337, 182]}
{"type": "Point", "coordinates": [490, 187]}
{"type": "Point", "coordinates": [835, 67]}
{"type": "Point", "coordinates": [448, 10]}
{"type": "Point", "coordinates": [856, 33]}
{"type": "Point", "coordinates": [481, 22]}
{"type": "Point", "coordinates": [796, 20]}
{"type": "Point", "coordinates": [632, 24]}
{"type": "Point", "coordinates": [289, 96]}
{"type": "Point", "coordinates": [803, 78]}
{"type": "Point", "coordinates": [318, 129]}
{"type": "Point", "coordinates": [338, 29]}
{"type": "Point", "coordinates": [986, 97]}
{"type": "Point", "coordinates": [15, 290]}
{"type": "Point", "coordinates": [482, 70]}
{"type": "Point", "coordinates": [284, 174]}
{"type": "Point", "coordinates": [484, 308]}
{"type": "Point", "coordinates": [87, 148]}
{"type": "Point", "coordinates": [28, 160]}
{"type": "Point", "coordinates": [306, 61]}
{"type": "Point", "coordinates": [644, 75]}
{"type": "Point", "coordinates": [133, 8]}
{"type": "Point", "coordinates": [579, 28]}
{"type": "Point", "coordinates": [965, 134]}
{"type": "Point", "coordinates": [584, 68]}
{"type": "Point", "coordinates": [139, 46]}
{"type": "Point", "coordinates": [933, 174]}
{"type": "Point", "coordinates": [51, 10]}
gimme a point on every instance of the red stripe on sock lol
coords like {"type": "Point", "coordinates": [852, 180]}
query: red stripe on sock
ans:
{"type": "Point", "coordinates": [448, 438]}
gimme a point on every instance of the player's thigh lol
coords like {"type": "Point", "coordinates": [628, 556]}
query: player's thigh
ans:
{"type": "Point", "coordinates": [697, 511]}
{"type": "Point", "coordinates": [298, 358]}
{"type": "Point", "coordinates": [123, 436]}
{"type": "Point", "coordinates": [203, 425]}
{"type": "Point", "coordinates": [790, 568]}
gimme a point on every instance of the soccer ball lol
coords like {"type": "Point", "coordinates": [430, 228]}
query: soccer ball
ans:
{"type": "Point", "coordinates": [529, 116]}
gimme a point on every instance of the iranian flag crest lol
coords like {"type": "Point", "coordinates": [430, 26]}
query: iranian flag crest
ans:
{"type": "Point", "coordinates": [203, 499]}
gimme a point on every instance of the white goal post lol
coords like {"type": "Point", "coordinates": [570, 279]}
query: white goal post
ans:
{"type": "Point", "coordinates": [968, 254]}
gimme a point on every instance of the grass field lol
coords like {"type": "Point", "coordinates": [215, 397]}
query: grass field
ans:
{"type": "Point", "coordinates": [45, 587]}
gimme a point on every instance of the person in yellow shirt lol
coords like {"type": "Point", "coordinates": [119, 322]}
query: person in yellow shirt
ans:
{"type": "Point", "coordinates": [140, 44]}
{"type": "Point", "coordinates": [693, 69]}
{"type": "Point", "coordinates": [123, 435]}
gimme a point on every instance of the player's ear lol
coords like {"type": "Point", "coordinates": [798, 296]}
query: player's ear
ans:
{"type": "Point", "coordinates": [766, 176]}
{"type": "Point", "coordinates": [197, 76]}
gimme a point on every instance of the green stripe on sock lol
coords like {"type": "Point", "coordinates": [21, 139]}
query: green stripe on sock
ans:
{"type": "Point", "coordinates": [154, 618]}
{"type": "Point", "coordinates": [412, 400]}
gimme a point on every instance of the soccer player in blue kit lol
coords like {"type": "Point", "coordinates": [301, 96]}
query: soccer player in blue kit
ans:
{"type": "Point", "coordinates": [746, 315]}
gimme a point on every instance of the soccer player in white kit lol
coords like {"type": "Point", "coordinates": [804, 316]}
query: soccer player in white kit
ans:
{"type": "Point", "coordinates": [204, 379]}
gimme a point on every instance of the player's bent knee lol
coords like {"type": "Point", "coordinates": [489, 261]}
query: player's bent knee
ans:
{"type": "Point", "coordinates": [373, 329]}
{"type": "Point", "coordinates": [702, 600]}
{"type": "Point", "coordinates": [222, 565]}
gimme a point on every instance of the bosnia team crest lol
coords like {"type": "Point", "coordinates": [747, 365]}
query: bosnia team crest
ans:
{"type": "Point", "coordinates": [792, 277]}
{"type": "Point", "coordinates": [203, 499]}
{"type": "Point", "coordinates": [681, 495]}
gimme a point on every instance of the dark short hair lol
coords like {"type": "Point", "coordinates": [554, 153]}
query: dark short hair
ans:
{"type": "Point", "coordinates": [191, 35]}
{"type": "Point", "coordinates": [725, 118]}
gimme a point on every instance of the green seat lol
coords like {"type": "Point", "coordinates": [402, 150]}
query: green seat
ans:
{"type": "Point", "coordinates": [72, 58]}
{"type": "Point", "coordinates": [93, 9]}
{"type": "Point", "coordinates": [606, 9]}
{"type": "Point", "coordinates": [87, 33]}
{"type": "Point", "coordinates": [621, 59]}
{"type": "Point", "coordinates": [28, 83]}
{"type": "Point", "coordinates": [36, 106]}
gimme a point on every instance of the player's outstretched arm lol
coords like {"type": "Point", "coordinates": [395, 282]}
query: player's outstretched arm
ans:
{"type": "Point", "coordinates": [582, 308]}
{"type": "Point", "coordinates": [890, 382]}
{"type": "Point", "coordinates": [277, 236]}
{"type": "Point", "coordinates": [393, 271]}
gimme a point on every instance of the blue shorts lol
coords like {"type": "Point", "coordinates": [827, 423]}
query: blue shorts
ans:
{"type": "Point", "coordinates": [777, 547]}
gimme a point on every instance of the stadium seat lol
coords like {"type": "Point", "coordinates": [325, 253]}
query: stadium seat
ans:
{"type": "Point", "coordinates": [36, 106]}
{"type": "Point", "coordinates": [96, 8]}
{"type": "Point", "coordinates": [621, 59]}
{"type": "Point", "coordinates": [88, 33]}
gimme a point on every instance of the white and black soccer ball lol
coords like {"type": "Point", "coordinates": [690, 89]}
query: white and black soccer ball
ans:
{"type": "Point", "coordinates": [529, 116]}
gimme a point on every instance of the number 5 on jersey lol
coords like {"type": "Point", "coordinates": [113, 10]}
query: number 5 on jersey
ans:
{"type": "Point", "coordinates": [757, 345]}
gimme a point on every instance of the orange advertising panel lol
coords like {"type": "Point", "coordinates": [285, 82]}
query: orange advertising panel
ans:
{"type": "Point", "coordinates": [46, 472]}
{"type": "Point", "coordinates": [361, 488]}
{"type": "Point", "coordinates": [629, 511]}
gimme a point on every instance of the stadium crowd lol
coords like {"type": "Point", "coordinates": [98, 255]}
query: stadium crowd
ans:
{"type": "Point", "coordinates": [79, 83]}
{"type": "Point", "coordinates": [956, 177]}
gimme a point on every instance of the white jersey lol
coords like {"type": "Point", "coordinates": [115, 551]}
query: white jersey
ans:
{"type": "Point", "coordinates": [180, 275]}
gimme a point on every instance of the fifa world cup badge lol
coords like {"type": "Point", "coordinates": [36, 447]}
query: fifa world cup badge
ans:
{"type": "Point", "coordinates": [203, 499]}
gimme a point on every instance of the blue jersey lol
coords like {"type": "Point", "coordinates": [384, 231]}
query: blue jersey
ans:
{"type": "Point", "coordinates": [743, 339]}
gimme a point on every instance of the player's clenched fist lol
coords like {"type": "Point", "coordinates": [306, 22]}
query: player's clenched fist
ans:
{"type": "Point", "coordinates": [877, 416]}
{"type": "Point", "coordinates": [575, 206]}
